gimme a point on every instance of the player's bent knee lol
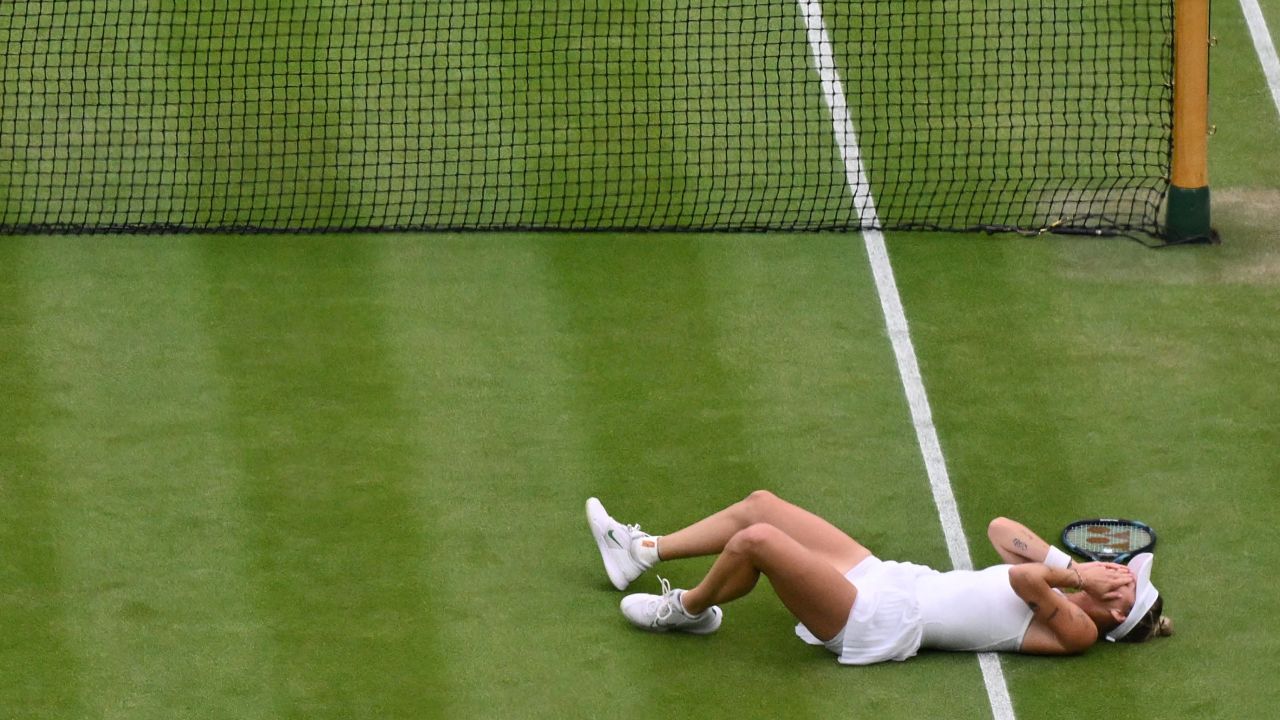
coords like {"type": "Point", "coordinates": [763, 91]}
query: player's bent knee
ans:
{"type": "Point", "coordinates": [760, 500]}
{"type": "Point", "coordinates": [753, 538]}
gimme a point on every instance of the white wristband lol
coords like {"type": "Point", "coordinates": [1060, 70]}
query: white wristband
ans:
{"type": "Point", "coordinates": [1056, 558]}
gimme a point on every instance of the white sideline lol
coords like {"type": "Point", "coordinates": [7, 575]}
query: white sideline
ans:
{"type": "Point", "coordinates": [896, 323]}
{"type": "Point", "coordinates": [1263, 44]}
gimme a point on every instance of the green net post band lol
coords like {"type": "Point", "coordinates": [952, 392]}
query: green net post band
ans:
{"type": "Point", "coordinates": [343, 115]}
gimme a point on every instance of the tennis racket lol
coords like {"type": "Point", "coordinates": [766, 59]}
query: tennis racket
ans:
{"type": "Point", "coordinates": [1108, 539]}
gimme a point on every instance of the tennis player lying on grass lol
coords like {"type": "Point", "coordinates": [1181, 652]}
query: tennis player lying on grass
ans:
{"type": "Point", "coordinates": [868, 610]}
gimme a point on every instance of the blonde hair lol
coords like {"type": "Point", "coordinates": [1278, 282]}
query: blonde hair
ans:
{"type": "Point", "coordinates": [1153, 624]}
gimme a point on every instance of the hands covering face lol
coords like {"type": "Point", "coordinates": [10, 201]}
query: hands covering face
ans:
{"type": "Point", "coordinates": [1105, 581]}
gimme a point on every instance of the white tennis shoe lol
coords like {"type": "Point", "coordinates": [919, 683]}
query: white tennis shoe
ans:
{"type": "Point", "coordinates": [663, 613]}
{"type": "Point", "coordinates": [614, 540]}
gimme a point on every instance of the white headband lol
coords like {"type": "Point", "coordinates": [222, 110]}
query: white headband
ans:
{"type": "Point", "coordinates": [1144, 597]}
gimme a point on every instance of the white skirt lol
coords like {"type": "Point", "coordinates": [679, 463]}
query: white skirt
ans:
{"type": "Point", "coordinates": [884, 622]}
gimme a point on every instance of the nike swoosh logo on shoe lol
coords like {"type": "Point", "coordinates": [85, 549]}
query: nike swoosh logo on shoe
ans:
{"type": "Point", "coordinates": [614, 539]}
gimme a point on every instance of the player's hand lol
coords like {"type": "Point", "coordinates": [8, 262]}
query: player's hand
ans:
{"type": "Point", "coordinates": [1103, 580]}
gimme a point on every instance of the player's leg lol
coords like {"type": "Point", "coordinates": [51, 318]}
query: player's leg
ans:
{"type": "Point", "coordinates": [711, 535]}
{"type": "Point", "coordinates": [813, 590]}
{"type": "Point", "coordinates": [628, 551]}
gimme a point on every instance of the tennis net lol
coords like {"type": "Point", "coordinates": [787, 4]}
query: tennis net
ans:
{"type": "Point", "coordinates": [339, 115]}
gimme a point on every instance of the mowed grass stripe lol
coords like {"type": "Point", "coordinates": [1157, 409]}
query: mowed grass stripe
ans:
{"type": "Point", "coordinates": [665, 446]}
{"type": "Point", "coordinates": [827, 412]}
{"type": "Point", "coordinates": [141, 512]}
{"type": "Point", "coordinates": [42, 667]}
{"type": "Point", "coordinates": [502, 464]}
{"type": "Point", "coordinates": [660, 405]}
{"type": "Point", "coordinates": [328, 479]}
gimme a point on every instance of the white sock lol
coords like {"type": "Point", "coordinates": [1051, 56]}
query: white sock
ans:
{"type": "Point", "coordinates": [680, 602]}
{"type": "Point", "coordinates": [645, 550]}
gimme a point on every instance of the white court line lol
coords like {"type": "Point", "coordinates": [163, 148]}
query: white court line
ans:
{"type": "Point", "coordinates": [1265, 47]}
{"type": "Point", "coordinates": [896, 322]}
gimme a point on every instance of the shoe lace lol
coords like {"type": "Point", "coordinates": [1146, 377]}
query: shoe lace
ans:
{"type": "Point", "coordinates": [634, 529]}
{"type": "Point", "coordinates": [666, 603]}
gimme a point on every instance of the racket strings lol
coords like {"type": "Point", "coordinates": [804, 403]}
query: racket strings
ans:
{"type": "Point", "coordinates": [1109, 536]}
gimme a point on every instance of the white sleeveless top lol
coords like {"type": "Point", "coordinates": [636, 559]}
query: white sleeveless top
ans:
{"type": "Point", "coordinates": [972, 610]}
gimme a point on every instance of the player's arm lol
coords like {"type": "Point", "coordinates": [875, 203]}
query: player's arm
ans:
{"type": "Point", "coordinates": [1016, 544]}
{"type": "Point", "coordinates": [1058, 626]}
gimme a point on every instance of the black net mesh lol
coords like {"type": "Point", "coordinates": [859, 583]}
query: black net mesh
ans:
{"type": "Point", "coordinates": [328, 115]}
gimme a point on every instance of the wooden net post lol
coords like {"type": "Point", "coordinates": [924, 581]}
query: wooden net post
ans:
{"type": "Point", "coordinates": [1187, 218]}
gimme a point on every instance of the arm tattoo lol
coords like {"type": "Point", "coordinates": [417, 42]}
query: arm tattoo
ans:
{"type": "Point", "coordinates": [1017, 543]}
{"type": "Point", "coordinates": [1035, 608]}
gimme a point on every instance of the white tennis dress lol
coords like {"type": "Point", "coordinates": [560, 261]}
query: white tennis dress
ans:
{"type": "Point", "coordinates": [902, 607]}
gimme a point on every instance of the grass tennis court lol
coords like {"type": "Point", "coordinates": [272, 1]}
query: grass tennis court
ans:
{"type": "Point", "coordinates": [342, 476]}
{"type": "Point", "coordinates": [620, 115]}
